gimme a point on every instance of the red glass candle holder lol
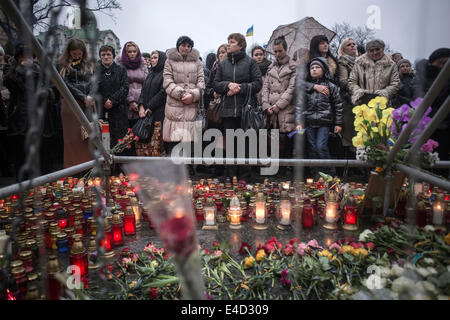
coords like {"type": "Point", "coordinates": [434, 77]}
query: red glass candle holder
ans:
{"type": "Point", "coordinates": [53, 285]}
{"type": "Point", "coordinates": [129, 224]}
{"type": "Point", "coordinates": [308, 216]}
{"type": "Point", "coordinates": [350, 218]}
{"type": "Point", "coordinates": [78, 255]}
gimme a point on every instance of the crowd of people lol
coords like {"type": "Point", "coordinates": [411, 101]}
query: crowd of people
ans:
{"type": "Point", "coordinates": [315, 93]}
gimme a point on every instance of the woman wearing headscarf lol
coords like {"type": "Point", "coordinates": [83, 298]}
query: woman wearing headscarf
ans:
{"type": "Point", "coordinates": [153, 97]}
{"type": "Point", "coordinates": [137, 72]}
{"type": "Point", "coordinates": [76, 72]}
{"type": "Point", "coordinates": [184, 84]}
{"type": "Point", "coordinates": [348, 53]}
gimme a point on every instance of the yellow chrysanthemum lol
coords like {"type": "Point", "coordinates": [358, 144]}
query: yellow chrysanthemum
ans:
{"type": "Point", "coordinates": [325, 253]}
{"type": "Point", "coordinates": [359, 109]}
{"type": "Point", "coordinates": [379, 102]}
{"type": "Point", "coordinates": [360, 251]}
{"type": "Point", "coordinates": [249, 262]}
{"type": "Point", "coordinates": [347, 248]}
{"type": "Point", "coordinates": [260, 255]}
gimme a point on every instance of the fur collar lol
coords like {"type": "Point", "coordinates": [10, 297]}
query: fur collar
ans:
{"type": "Point", "coordinates": [193, 56]}
{"type": "Point", "coordinates": [385, 61]}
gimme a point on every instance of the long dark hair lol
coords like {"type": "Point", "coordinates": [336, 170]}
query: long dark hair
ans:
{"type": "Point", "coordinates": [65, 58]}
{"type": "Point", "coordinates": [314, 48]}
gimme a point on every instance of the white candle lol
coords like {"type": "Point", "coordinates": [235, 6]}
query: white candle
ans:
{"type": "Point", "coordinates": [438, 214]}
{"type": "Point", "coordinates": [309, 181]}
{"type": "Point", "coordinates": [260, 215]}
{"type": "Point", "coordinates": [285, 216]}
{"type": "Point", "coordinates": [330, 215]}
{"type": "Point", "coordinates": [209, 216]}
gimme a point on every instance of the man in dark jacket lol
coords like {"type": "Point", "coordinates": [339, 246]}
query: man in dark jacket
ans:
{"type": "Point", "coordinates": [426, 73]}
{"type": "Point", "coordinates": [235, 76]}
{"type": "Point", "coordinates": [319, 113]}
{"type": "Point", "coordinates": [406, 92]}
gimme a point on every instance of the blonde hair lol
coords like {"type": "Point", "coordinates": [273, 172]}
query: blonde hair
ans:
{"type": "Point", "coordinates": [154, 52]}
{"type": "Point", "coordinates": [344, 44]}
{"type": "Point", "coordinates": [131, 44]}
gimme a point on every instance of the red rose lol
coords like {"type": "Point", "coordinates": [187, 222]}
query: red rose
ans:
{"type": "Point", "coordinates": [207, 251]}
{"type": "Point", "coordinates": [357, 245]}
{"type": "Point", "coordinates": [272, 244]}
{"type": "Point", "coordinates": [216, 244]}
{"type": "Point", "coordinates": [153, 293]}
{"type": "Point", "coordinates": [370, 245]}
{"type": "Point", "coordinates": [243, 246]}
{"type": "Point", "coordinates": [125, 252]}
{"type": "Point", "coordinates": [293, 241]}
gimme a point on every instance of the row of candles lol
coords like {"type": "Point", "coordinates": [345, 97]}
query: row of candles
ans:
{"type": "Point", "coordinates": [58, 220]}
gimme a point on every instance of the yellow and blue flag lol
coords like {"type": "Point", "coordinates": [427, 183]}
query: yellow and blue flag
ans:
{"type": "Point", "coordinates": [250, 32]}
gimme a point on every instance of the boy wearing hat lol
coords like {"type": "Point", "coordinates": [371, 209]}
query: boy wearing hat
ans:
{"type": "Point", "coordinates": [320, 114]}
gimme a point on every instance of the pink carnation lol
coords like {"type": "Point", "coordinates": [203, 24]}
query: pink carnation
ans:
{"type": "Point", "coordinates": [335, 246]}
{"type": "Point", "coordinates": [314, 244]}
{"type": "Point", "coordinates": [301, 249]}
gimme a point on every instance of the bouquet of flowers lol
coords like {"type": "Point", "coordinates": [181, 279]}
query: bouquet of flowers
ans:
{"type": "Point", "coordinates": [373, 124]}
{"type": "Point", "coordinates": [125, 143]}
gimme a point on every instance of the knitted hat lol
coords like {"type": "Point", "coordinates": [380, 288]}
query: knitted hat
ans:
{"type": "Point", "coordinates": [317, 62]}
{"type": "Point", "coordinates": [375, 43]}
{"type": "Point", "coordinates": [402, 62]}
{"type": "Point", "coordinates": [146, 55]}
{"type": "Point", "coordinates": [439, 53]}
{"type": "Point", "coordinates": [184, 39]}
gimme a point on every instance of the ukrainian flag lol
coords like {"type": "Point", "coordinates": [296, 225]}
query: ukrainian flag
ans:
{"type": "Point", "coordinates": [250, 32]}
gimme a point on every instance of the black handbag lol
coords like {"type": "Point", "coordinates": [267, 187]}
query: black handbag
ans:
{"type": "Point", "coordinates": [252, 114]}
{"type": "Point", "coordinates": [143, 129]}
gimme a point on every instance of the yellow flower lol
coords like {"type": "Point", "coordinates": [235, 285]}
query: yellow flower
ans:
{"type": "Point", "coordinates": [347, 248]}
{"type": "Point", "coordinates": [325, 253]}
{"type": "Point", "coordinates": [132, 284]}
{"type": "Point", "coordinates": [370, 115]}
{"type": "Point", "coordinates": [359, 109]}
{"type": "Point", "coordinates": [358, 141]}
{"type": "Point", "coordinates": [260, 255]}
{"type": "Point", "coordinates": [334, 258]}
{"type": "Point", "coordinates": [359, 124]}
{"type": "Point", "coordinates": [249, 262]}
{"type": "Point", "coordinates": [447, 239]}
{"type": "Point", "coordinates": [379, 169]}
{"type": "Point", "coordinates": [154, 264]}
{"type": "Point", "coordinates": [360, 251]}
{"type": "Point", "coordinates": [388, 112]}
{"type": "Point", "coordinates": [378, 102]}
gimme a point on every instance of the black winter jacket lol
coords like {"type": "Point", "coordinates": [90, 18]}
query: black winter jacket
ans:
{"type": "Point", "coordinates": [406, 92]}
{"type": "Point", "coordinates": [113, 85]}
{"type": "Point", "coordinates": [153, 96]}
{"type": "Point", "coordinates": [78, 82]}
{"type": "Point", "coordinates": [15, 82]}
{"type": "Point", "coordinates": [315, 109]}
{"type": "Point", "coordinates": [238, 68]}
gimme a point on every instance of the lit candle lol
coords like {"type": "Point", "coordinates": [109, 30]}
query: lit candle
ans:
{"type": "Point", "coordinates": [209, 216]}
{"type": "Point", "coordinates": [309, 181]}
{"type": "Point", "coordinates": [209, 211]}
{"type": "Point", "coordinates": [260, 213]}
{"type": "Point", "coordinates": [438, 210]}
{"type": "Point", "coordinates": [285, 209]}
{"type": "Point", "coordinates": [285, 216]}
{"type": "Point", "coordinates": [235, 213]}
{"type": "Point", "coordinates": [351, 215]}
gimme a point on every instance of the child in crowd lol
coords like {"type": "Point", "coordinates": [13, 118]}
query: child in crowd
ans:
{"type": "Point", "coordinates": [320, 112]}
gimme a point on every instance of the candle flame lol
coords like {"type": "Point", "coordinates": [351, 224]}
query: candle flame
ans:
{"type": "Point", "coordinates": [179, 214]}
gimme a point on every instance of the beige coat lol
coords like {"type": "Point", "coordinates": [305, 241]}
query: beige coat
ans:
{"type": "Point", "coordinates": [278, 89]}
{"type": "Point", "coordinates": [181, 75]}
{"type": "Point", "coordinates": [381, 78]}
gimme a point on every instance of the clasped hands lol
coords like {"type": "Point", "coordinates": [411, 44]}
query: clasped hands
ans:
{"type": "Point", "coordinates": [234, 88]}
{"type": "Point", "coordinates": [273, 110]}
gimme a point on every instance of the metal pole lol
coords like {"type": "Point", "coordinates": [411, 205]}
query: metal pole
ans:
{"type": "Point", "coordinates": [429, 98]}
{"type": "Point", "coordinates": [15, 188]}
{"type": "Point", "coordinates": [13, 12]}
{"type": "Point", "coordinates": [387, 192]}
{"type": "Point", "coordinates": [246, 162]}
{"type": "Point", "coordinates": [431, 127]}
{"type": "Point", "coordinates": [423, 176]}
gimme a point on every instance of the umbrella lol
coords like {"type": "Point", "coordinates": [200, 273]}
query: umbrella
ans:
{"type": "Point", "coordinates": [298, 35]}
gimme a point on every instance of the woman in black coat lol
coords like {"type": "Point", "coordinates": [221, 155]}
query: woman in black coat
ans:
{"type": "Point", "coordinates": [153, 98]}
{"type": "Point", "coordinates": [235, 76]}
{"type": "Point", "coordinates": [113, 90]}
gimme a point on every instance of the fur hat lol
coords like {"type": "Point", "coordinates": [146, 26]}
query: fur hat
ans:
{"type": "Point", "coordinates": [375, 43]}
{"type": "Point", "coordinates": [184, 39]}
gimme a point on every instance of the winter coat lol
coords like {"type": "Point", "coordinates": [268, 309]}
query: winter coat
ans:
{"type": "Point", "coordinates": [348, 129]}
{"type": "Point", "coordinates": [153, 96]}
{"type": "Point", "coordinates": [332, 66]}
{"type": "Point", "coordinates": [209, 90]}
{"type": "Point", "coordinates": [406, 90]}
{"type": "Point", "coordinates": [368, 77]}
{"type": "Point", "coordinates": [237, 68]}
{"type": "Point", "coordinates": [278, 89]}
{"type": "Point", "coordinates": [314, 109]}
{"type": "Point", "coordinates": [181, 75]}
{"type": "Point", "coordinates": [426, 74]}
{"type": "Point", "coordinates": [136, 78]}
{"type": "Point", "coordinates": [76, 150]}
{"type": "Point", "coordinates": [15, 82]}
{"type": "Point", "coordinates": [113, 85]}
